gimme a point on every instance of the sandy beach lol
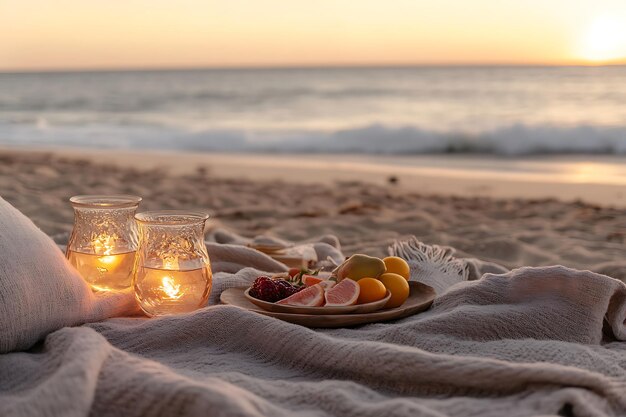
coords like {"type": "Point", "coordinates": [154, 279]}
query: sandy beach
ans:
{"type": "Point", "coordinates": [365, 211]}
{"type": "Point", "coordinates": [595, 179]}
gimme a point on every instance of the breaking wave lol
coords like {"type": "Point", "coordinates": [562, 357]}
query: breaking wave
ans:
{"type": "Point", "coordinates": [372, 139]}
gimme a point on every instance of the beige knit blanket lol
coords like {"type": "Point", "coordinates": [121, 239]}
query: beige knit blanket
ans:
{"type": "Point", "coordinates": [534, 341]}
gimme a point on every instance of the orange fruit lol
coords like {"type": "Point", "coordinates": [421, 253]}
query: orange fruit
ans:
{"type": "Point", "coordinates": [310, 280]}
{"type": "Point", "coordinates": [308, 297]}
{"type": "Point", "coordinates": [398, 286]}
{"type": "Point", "coordinates": [371, 290]}
{"type": "Point", "coordinates": [397, 265]}
{"type": "Point", "coordinates": [346, 293]}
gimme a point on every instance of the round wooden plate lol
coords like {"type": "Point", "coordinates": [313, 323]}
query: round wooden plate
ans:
{"type": "Point", "coordinates": [420, 299]}
{"type": "Point", "coordinates": [283, 308]}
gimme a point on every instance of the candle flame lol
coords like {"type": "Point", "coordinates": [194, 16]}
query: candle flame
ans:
{"type": "Point", "coordinates": [170, 288]}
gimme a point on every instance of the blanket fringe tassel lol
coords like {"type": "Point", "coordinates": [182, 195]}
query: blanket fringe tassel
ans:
{"type": "Point", "coordinates": [438, 257]}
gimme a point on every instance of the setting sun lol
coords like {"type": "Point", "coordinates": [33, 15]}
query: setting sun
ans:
{"type": "Point", "coordinates": [604, 40]}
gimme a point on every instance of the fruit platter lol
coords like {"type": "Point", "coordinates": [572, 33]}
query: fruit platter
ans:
{"type": "Point", "coordinates": [315, 299]}
{"type": "Point", "coordinates": [363, 289]}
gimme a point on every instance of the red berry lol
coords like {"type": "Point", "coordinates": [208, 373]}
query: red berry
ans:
{"type": "Point", "coordinates": [286, 288]}
{"type": "Point", "coordinates": [266, 289]}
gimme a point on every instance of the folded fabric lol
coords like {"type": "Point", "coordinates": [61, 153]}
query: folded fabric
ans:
{"type": "Point", "coordinates": [327, 248]}
{"type": "Point", "coordinates": [39, 290]}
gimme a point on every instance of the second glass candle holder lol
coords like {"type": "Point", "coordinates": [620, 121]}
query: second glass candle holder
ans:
{"type": "Point", "coordinates": [172, 270]}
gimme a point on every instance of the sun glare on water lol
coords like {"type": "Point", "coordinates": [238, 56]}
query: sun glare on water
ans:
{"type": "Point", "coordinates": [604, 40]}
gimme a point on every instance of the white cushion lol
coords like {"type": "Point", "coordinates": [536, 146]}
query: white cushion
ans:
{"type": "Point", "coordinates": [39, 290]}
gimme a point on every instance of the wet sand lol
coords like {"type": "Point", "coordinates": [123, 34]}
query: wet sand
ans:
{"type": "Point", "coordinates": [593, 179]}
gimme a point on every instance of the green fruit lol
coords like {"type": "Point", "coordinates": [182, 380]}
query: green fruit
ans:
{"type": "Point", "coordinates": [360, 266]}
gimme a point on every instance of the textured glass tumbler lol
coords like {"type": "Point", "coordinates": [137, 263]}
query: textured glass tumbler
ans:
{"type": "Point", "coordinates": [173, 270]}
{"type": "Point", "coordinates": [103, 242]}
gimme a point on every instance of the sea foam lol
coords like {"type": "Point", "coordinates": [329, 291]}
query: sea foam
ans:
{"type": "Point", "coordinates": [371, 139]}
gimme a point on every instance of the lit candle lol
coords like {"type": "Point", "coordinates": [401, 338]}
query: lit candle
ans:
{"type": "Point", "coordinates": [101, 267]}
{"type": "Point", "coordinates": [168, 283]}
{"type": "Point", "coordinates": [103, 246]}
{"type": "Point", "coordinates": [173, 272]}
{"type": "Point", "coordinates": [169, 289]}
{"type": "Point", "coordinates": [103, 243]}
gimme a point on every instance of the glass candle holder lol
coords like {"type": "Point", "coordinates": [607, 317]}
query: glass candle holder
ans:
{"type": "Point", "coordinates": [103, 242]}
{"type": "Point", "coordinates": [173, 270]}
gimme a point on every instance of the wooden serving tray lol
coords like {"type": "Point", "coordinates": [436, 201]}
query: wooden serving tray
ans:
{"type": "Point", "coordinates": [421, 297]}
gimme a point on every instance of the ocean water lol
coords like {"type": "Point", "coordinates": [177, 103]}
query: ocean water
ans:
{"type": "Point", "coordinates": [484, 110]}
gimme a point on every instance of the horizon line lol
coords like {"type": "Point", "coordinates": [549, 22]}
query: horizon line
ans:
{"type": "Point", "coordinates": [165, 68]}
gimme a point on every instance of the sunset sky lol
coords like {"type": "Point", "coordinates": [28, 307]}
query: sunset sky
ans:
{"type": "Point", "coordinates": [76, 34]}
